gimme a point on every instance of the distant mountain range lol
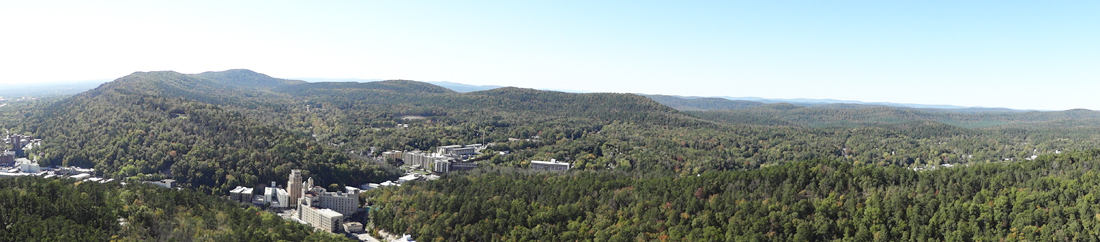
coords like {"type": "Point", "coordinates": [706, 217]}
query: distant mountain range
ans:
{"type": "Point", "coordinates": [687, 168]}
{"type": "Point", "coordinates": [64, 88]}
{"type": "Point", "coordinates": [717, 103]}
{"type": "Point", "coordinates": [48, 89]}
{"type": "Point", "coordinates": [812, 102]}
{"type": "Point", "coordinates": [458, 87]}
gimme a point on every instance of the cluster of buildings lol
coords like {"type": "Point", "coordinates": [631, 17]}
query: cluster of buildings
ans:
{"type": "Point", "coordinates": [326, 210]}
{"type": "Point", "coordinates": [274, 196]}
{"type": "Point", "coordinates": [241, 194]}
{"type": "Point", "coordinates": [329, 210]}
{"type": "Point", "coordinates": [400, 180]}
{"type": "Point", "coordinates": [14, 162]}
{"type": "Point", "coordinates": [445, 159]}
{"type": "Point", "coordinates": [312, 205]}
{"type": "Point", "coordinates": [26, 167]}
{"type": "Point", "coordinates": [457, 158]}
{"type": "Point", "coordinates": [332, 210]}
{"type": "Point", "coordinates": [20, 143]}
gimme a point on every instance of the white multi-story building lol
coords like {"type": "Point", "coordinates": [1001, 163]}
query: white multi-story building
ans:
{"type": "Point", "coordinates": [27, 166]}
{"type": "Point", "coordinates": [321, 218]}
{"type": "Point", "coordinates": [390, 156]}
{"type": "Point", "coordinates": [344, 202]}
{"type": "Point", "coordinates": [276, 197]}
{"type": "Point", "coordinates": [462, 166]}
{"type": "Point", "coordinates": [441, 166]}
{"type": "Point", "coordinates": [460, 150]}
{"type": "Point", "coordinates": [323, 209]}
{"type": "Point", "coordinates": [420, 159]}
{"type": "Point", "coordinates": [241, 194]}
{"type": "Point", "coordinates": [551, 165]}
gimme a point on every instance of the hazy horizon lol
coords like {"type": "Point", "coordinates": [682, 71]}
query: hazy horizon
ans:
{"type": "Point", "coordinates": [1024, 55]}
{"type": "Point", "coordinates": [747, 98]}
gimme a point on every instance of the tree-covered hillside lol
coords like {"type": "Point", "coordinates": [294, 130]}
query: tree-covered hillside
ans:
{"type": "Point", "coordinates": [596, 131]}
{"type": "Point", "coordinates": [39, 209]}
{"type": "Point", "coordinates": [702, 103]}
{"type": "Point", "coordinates": [641, 170]}
{"type": "Point", "coordinates": [165, 124]}
{"type": "Point", "coordinates": [857, 115]}
{"type": "Point", "coordinates": [1054, 198]}
{"type": "Point", "coordinates": [217, 130]}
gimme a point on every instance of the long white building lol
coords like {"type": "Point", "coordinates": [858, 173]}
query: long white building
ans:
{"type": "Point", "coordinates": [551, 165]}
{"type": "Point", "coordinates": [321, 218]}
{"type": "Point", "coordinates": [460, 150]}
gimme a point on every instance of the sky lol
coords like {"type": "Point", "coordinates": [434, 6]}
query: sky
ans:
{"type": "Point", "coordinates": [1016, 54]}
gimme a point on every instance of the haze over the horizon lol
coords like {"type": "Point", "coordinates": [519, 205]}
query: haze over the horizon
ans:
{"type": "Point", "coordinates": [1023, 55]}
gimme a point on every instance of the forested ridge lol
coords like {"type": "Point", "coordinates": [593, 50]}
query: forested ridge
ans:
{"type": "Point", "coordinates": [164, 124]}
{"type": "Point", "coordinates": [702, 103]}
{"type": "Point", "coordinates": [641, 170]}
{"type": "Point", "coordinates": [1051, 198]}
{"type": "Point", "coordinates": [237, 127]}
{"type": "Point", "coordinates": [856, 115]}
{"type": "Point", "coordinates": [40, 209]}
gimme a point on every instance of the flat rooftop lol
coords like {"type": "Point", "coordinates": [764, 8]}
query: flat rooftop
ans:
{"type": "Point", "coordinates": [549, 162]}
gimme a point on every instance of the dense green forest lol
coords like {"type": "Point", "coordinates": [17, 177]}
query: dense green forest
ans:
{"type": "Point", "coordinates": [917, 137]}
{"type": "Point", "coordinates": [702, 103]}
{"type": "Point", "coordinates": [1053, 198]}
{"type": "Point", "coordinates": [645, 168]}
{"type": "Point", "coordinates": [216, 130]}
{"type": "Point", "coordinates": [39, 209]}
{"type": "Point", "coordinates": [164, 124]}
{"type": "Point", "coordinates": [858, 115]}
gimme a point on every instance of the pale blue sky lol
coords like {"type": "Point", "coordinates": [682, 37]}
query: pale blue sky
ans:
{"type": "Point", "coordinates": [1027, 55]}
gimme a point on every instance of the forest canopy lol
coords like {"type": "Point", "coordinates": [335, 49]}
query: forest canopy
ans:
{"type": "Point", "coordinates": [41, 209]}
{"type": "Point", "coordinates": [643, 167]}
{"type": "Point", "coordinates": [1051, 198]}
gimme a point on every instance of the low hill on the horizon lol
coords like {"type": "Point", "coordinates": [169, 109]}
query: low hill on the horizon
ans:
{"type": "Point", "coordinates": [686, 103]}
{"type": "Point", "coordinates": [151, 125]}
{"type": "Point", "coordinates": [701, 103]}
{"type": "Point", "coordinates": [815, 102]}
{"type": "Point", "coordinates": [217, 130]}
{"type": "Point", "coordinates": [11, 91]}
{"type": "Point", "coordinates": [857, 115]}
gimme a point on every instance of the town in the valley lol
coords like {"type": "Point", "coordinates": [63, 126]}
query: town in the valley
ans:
{"type": "Point", "coordinates": [340, 211]}
{"type": "Point", "coordinates": [300, 199]}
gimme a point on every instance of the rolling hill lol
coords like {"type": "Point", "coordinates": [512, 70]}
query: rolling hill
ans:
{"type": "Point", "coordinates": [216, 130]}
{"type": "Point", "coordinates": [164, 124]}
{"type": "Point", "coordinates": [858, 115]}
{"type": "Point", "coordinates": [648, 168]}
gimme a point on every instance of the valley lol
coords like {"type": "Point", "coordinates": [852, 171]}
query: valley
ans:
{"type": "Point", "coordinates": [638, 167]}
